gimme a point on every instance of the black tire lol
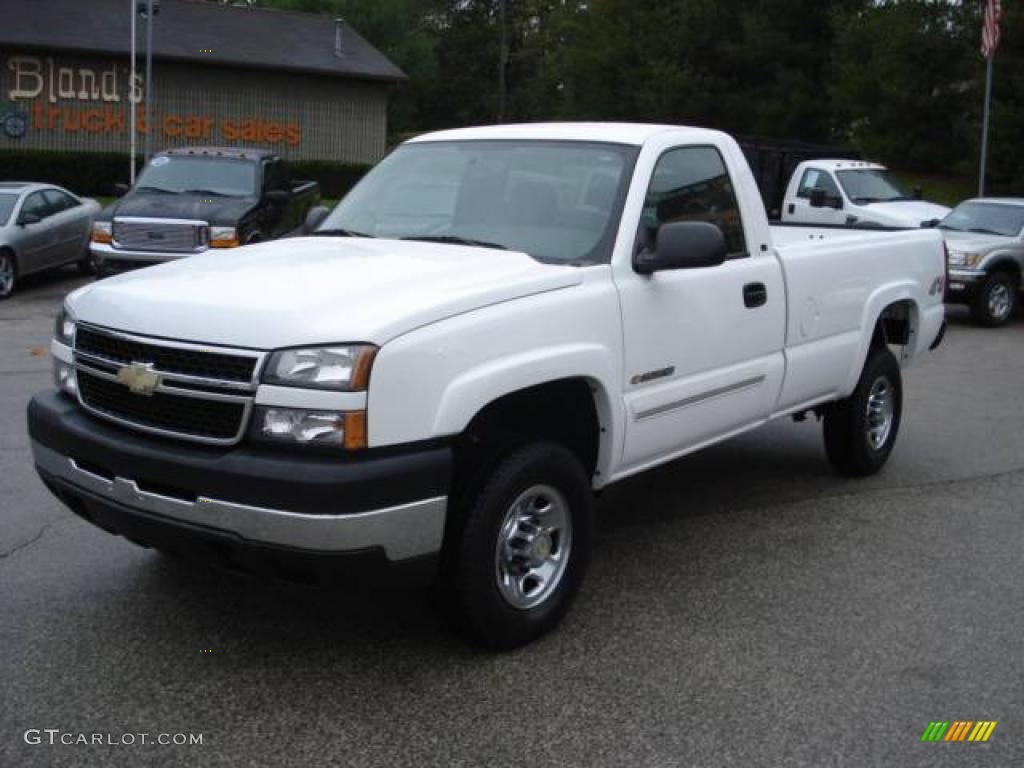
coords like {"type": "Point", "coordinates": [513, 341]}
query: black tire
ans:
{"type": "Point", "coordinates": [468, 584]}
{"type": "Point", "coordinates": [8, 280]}
{"type": "Point", "coordinates": [995, 300]}
{"type": "Point", "coordinates": [851, 447]}
{"type": "Point", "coordinates": [87, 265]}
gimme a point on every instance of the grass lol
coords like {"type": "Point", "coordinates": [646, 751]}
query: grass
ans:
{"type": "Point", "coordinates": [946, 190]}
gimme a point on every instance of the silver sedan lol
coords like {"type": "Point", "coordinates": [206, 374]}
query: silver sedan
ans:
{"type": "Point", "coordinates": [41, 227]}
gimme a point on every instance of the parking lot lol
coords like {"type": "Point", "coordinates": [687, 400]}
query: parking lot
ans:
{"type": "Point", "coordinates": [744, 607]}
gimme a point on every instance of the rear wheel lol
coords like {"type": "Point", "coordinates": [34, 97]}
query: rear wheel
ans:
{"type": "Point", "coordinates": [519, 551]}
{"type": "Point", "coordinates": [8, 274]}
{"type": "Point", "coordinates": [861, 430]}
{"type": "Point", "coordinates": [995, 300]}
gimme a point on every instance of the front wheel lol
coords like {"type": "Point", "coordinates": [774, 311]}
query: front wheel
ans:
{"type": "Point", "coordinates": [861, 430]}
{"type": "Point", "coordinates": [995, 300]}
{"type": "Point", "coordinates": [522, 548]}
{"type": "Point", "coordinates": [8, 274]}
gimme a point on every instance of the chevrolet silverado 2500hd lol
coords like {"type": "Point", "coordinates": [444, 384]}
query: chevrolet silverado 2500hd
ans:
{"type": "Point", "coordinates": [853, 192]}
{"type": "Point", "coordinates": [190, 200]}
{"type": "Point", "coordinates": [493, 324]}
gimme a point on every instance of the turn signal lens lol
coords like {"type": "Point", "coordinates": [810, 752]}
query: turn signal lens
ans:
{"type": "Point", "coordinates": [101, 232]}
{"type": "Point", "coordinates": [223, 237]}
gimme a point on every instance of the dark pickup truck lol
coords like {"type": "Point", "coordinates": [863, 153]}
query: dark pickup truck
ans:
{"type": "Point", "coordinates": [189, 200]}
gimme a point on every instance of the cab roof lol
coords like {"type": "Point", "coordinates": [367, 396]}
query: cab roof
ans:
{"type": "Point", "coordinates": [635, 134]}
{"type": "Point", "coordinates": [844, 165]}
{"type": "Point", "coordinates": [233, 153]}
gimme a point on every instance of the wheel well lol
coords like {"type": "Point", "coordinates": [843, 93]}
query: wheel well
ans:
{"type": "Point", "coordinates": [562, 410]}
{"type": "Point", "coordinates": [896, 326]}
{"type": "Point", "coordinates": [1007, 266]}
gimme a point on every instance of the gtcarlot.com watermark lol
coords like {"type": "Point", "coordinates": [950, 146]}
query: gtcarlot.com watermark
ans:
{"type": "Point", "coordinates": [55, 736]}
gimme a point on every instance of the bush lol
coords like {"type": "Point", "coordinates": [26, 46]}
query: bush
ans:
{"type": "Point", "coordinates": [96, 173]}
{"type": "Point", "coordinates": [84, 173]}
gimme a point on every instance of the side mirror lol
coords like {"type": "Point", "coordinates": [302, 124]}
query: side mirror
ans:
{"type": "Point", "coordinates": [277, 196]}
{"type": "Point", "coordinates": [918, 193]}
{"type": "Point", "coordinates": [28, 218]}
{"type": "Point", "coordinates": [683, 245]}
{"type": "Point", "coordinates": [314, 218]}
{"type": "Point", "coordinates": [121, 189]}
{"type": "Point", "coordinates": [818, 198]}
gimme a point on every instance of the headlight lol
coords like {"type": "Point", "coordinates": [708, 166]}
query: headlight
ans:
{"type": "Point", "coordinates": [64, 329]}
{"type": "Point", "coordinates": [963, 258]}
{"type": "Point", "coordinates": [345, 368]}
{"type": "Point", "coordinates": [102, 232]}
{"type": "Point", "coordinates": [223, 237]}
{"type": "Point", "coordinates": [297, 426]}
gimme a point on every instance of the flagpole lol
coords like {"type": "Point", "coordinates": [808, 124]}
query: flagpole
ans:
{"type": "Point", "coordinates": [131, 107]}
{"type": "Point", "coordinates": [984, 125]}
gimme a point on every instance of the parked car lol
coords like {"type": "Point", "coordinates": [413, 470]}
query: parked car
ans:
{"type": "Point", "coordinates": [493, 324]}
{"type": "Point", "coordinates": [853, 192]}
{"type": "Point", "coordinates": [187, 201]}
{"type": "Point", "coordinates": [42, 226]}
{"type": "Point", "coordinates": [985, 238]}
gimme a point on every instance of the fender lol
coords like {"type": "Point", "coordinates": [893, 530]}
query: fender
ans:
{"type": "Point", "coordinates": [476, 388]}
{"type": "Point", "coordinates": [883, 297]}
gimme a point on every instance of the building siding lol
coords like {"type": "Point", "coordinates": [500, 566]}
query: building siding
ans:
{"type": "Point", "coordinates": [303, 117]}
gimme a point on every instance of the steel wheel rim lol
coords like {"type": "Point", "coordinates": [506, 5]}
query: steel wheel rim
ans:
{"type": "Point", "coordinates": [533, 547]}
{"type": "Point", "coordinates": [999, 300]}
{"type": "Point", "coordinates": [881, 412]}
{"type": "Point", "coordinates": [6, 275]}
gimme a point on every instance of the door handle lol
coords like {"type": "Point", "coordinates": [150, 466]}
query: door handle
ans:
{"type": "Point", "coordinates": [755, 295]}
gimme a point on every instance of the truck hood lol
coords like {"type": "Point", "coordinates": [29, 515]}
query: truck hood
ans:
{"type": "Point", "coordinates": [902, 213]}
{"type": "Point", "coordinates": [975, 242]}
{"type": "Point", "coordinates": [313, 290]}
{"type": "Point", "coordinates": [220, 211]}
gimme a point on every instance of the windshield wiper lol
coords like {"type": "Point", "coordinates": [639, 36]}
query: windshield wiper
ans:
{"type": "Point", "coordinates": [866, 200]}
{"type": "Point", "coordinates": [983, 231]}
{"type": "Point", "coordinates": [205, 192]}
{"type": "Point", "coordinates": [157, 189]}
{"type": "Point", "coordinates": [340, 233]}
{"type": "Point", "coordinates": [456, 240]}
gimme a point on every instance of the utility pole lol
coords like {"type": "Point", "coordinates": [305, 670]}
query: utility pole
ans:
{"type": "Point", "coordinates": [984, 125]}
{"type": "Point", "coordinates": [502, 61]}
{"type": "Point", "coordinates": [131, 105]}
{"type": "Point", "coordinates": [149, 78]}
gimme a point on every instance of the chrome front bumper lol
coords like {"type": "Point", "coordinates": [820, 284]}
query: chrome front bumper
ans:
{"type": "Point", "coordinates": [106, 252]}
{"type": "Point", "coordinates": [403, 532]}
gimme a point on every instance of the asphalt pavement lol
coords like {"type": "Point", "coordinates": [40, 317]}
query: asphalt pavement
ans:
{"type": "Point", "coordinates": [744, 607]}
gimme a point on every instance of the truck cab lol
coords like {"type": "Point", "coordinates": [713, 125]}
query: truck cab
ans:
{"type": "Point", "coordinates": [854, 193]}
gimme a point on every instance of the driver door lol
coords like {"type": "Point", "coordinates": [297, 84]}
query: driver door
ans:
{"type": "Point", "coordinates": [805, 212]}
{"type": "Point", "coordinates": [703, 346]}
{"type": "Point", "coordinates": [37, 240]}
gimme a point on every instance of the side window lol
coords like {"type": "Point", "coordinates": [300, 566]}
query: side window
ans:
{"type": "Point", "coordinates": [692, 184]}
{"type": "Point", "coordinates": [59, 201]}
{"type": "Point", "coordinates": [36, 204]}
{"type": "Point", "coordinates": [815, 178]}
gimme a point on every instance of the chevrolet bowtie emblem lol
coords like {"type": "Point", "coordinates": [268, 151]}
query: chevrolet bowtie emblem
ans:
{"type": "Point", "coordinates": [139, 378]}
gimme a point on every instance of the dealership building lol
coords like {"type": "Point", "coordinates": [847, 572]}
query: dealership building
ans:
{"type": "Point", "coordinates": [306, 86]}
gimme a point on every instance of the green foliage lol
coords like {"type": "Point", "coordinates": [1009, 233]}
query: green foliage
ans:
{"type": "Point", "coordinates": [84, 173]}
{"type": "Point", "coordinates": [902, 80]}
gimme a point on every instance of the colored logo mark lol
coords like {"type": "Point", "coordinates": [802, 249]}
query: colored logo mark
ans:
{"type": "Point", "coordinates": [959, 730]}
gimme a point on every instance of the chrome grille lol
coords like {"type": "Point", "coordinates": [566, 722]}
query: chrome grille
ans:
{"type": "Point", "coordinates": [201, 394]}
{"type": "Point", "coordinates": [168, 235]}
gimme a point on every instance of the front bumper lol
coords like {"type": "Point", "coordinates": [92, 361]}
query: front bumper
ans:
{"type": "Point", "coordinates": [393, 505]}
{"type": "Point", "coordinates": [122, 258]}
{"type": "Point", "coordinates": [962, 283]}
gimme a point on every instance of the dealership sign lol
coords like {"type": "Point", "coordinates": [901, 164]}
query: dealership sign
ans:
{"type": "Point", "coordinates": [86, 99]}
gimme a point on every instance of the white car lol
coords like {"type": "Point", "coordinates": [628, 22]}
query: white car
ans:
{"type": "Point", "coordinates": [494, 324]}
{"type": "Point", "coordinates": [853, 193]}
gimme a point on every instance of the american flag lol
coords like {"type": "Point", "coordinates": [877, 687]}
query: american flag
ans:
{"type": "Point", "coordinates": [990, 29]}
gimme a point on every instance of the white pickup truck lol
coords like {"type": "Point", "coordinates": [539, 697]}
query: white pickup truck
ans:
{"type": "Point", "coordinates": [854, 193]}
{"type": "Point", "coordinates": [493, 325]}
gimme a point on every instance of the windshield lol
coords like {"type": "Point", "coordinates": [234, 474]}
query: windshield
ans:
{"type": "Point", "coordinates": [203, 175]}
{"type": "Point", "coordinates": [553, 200]}
{"type": "Point", "coordinates": [872, 185]}
{"type": "Point", "coordinates": [985, 218]}
{"type": "Point", "coordinates": [6, 207]}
